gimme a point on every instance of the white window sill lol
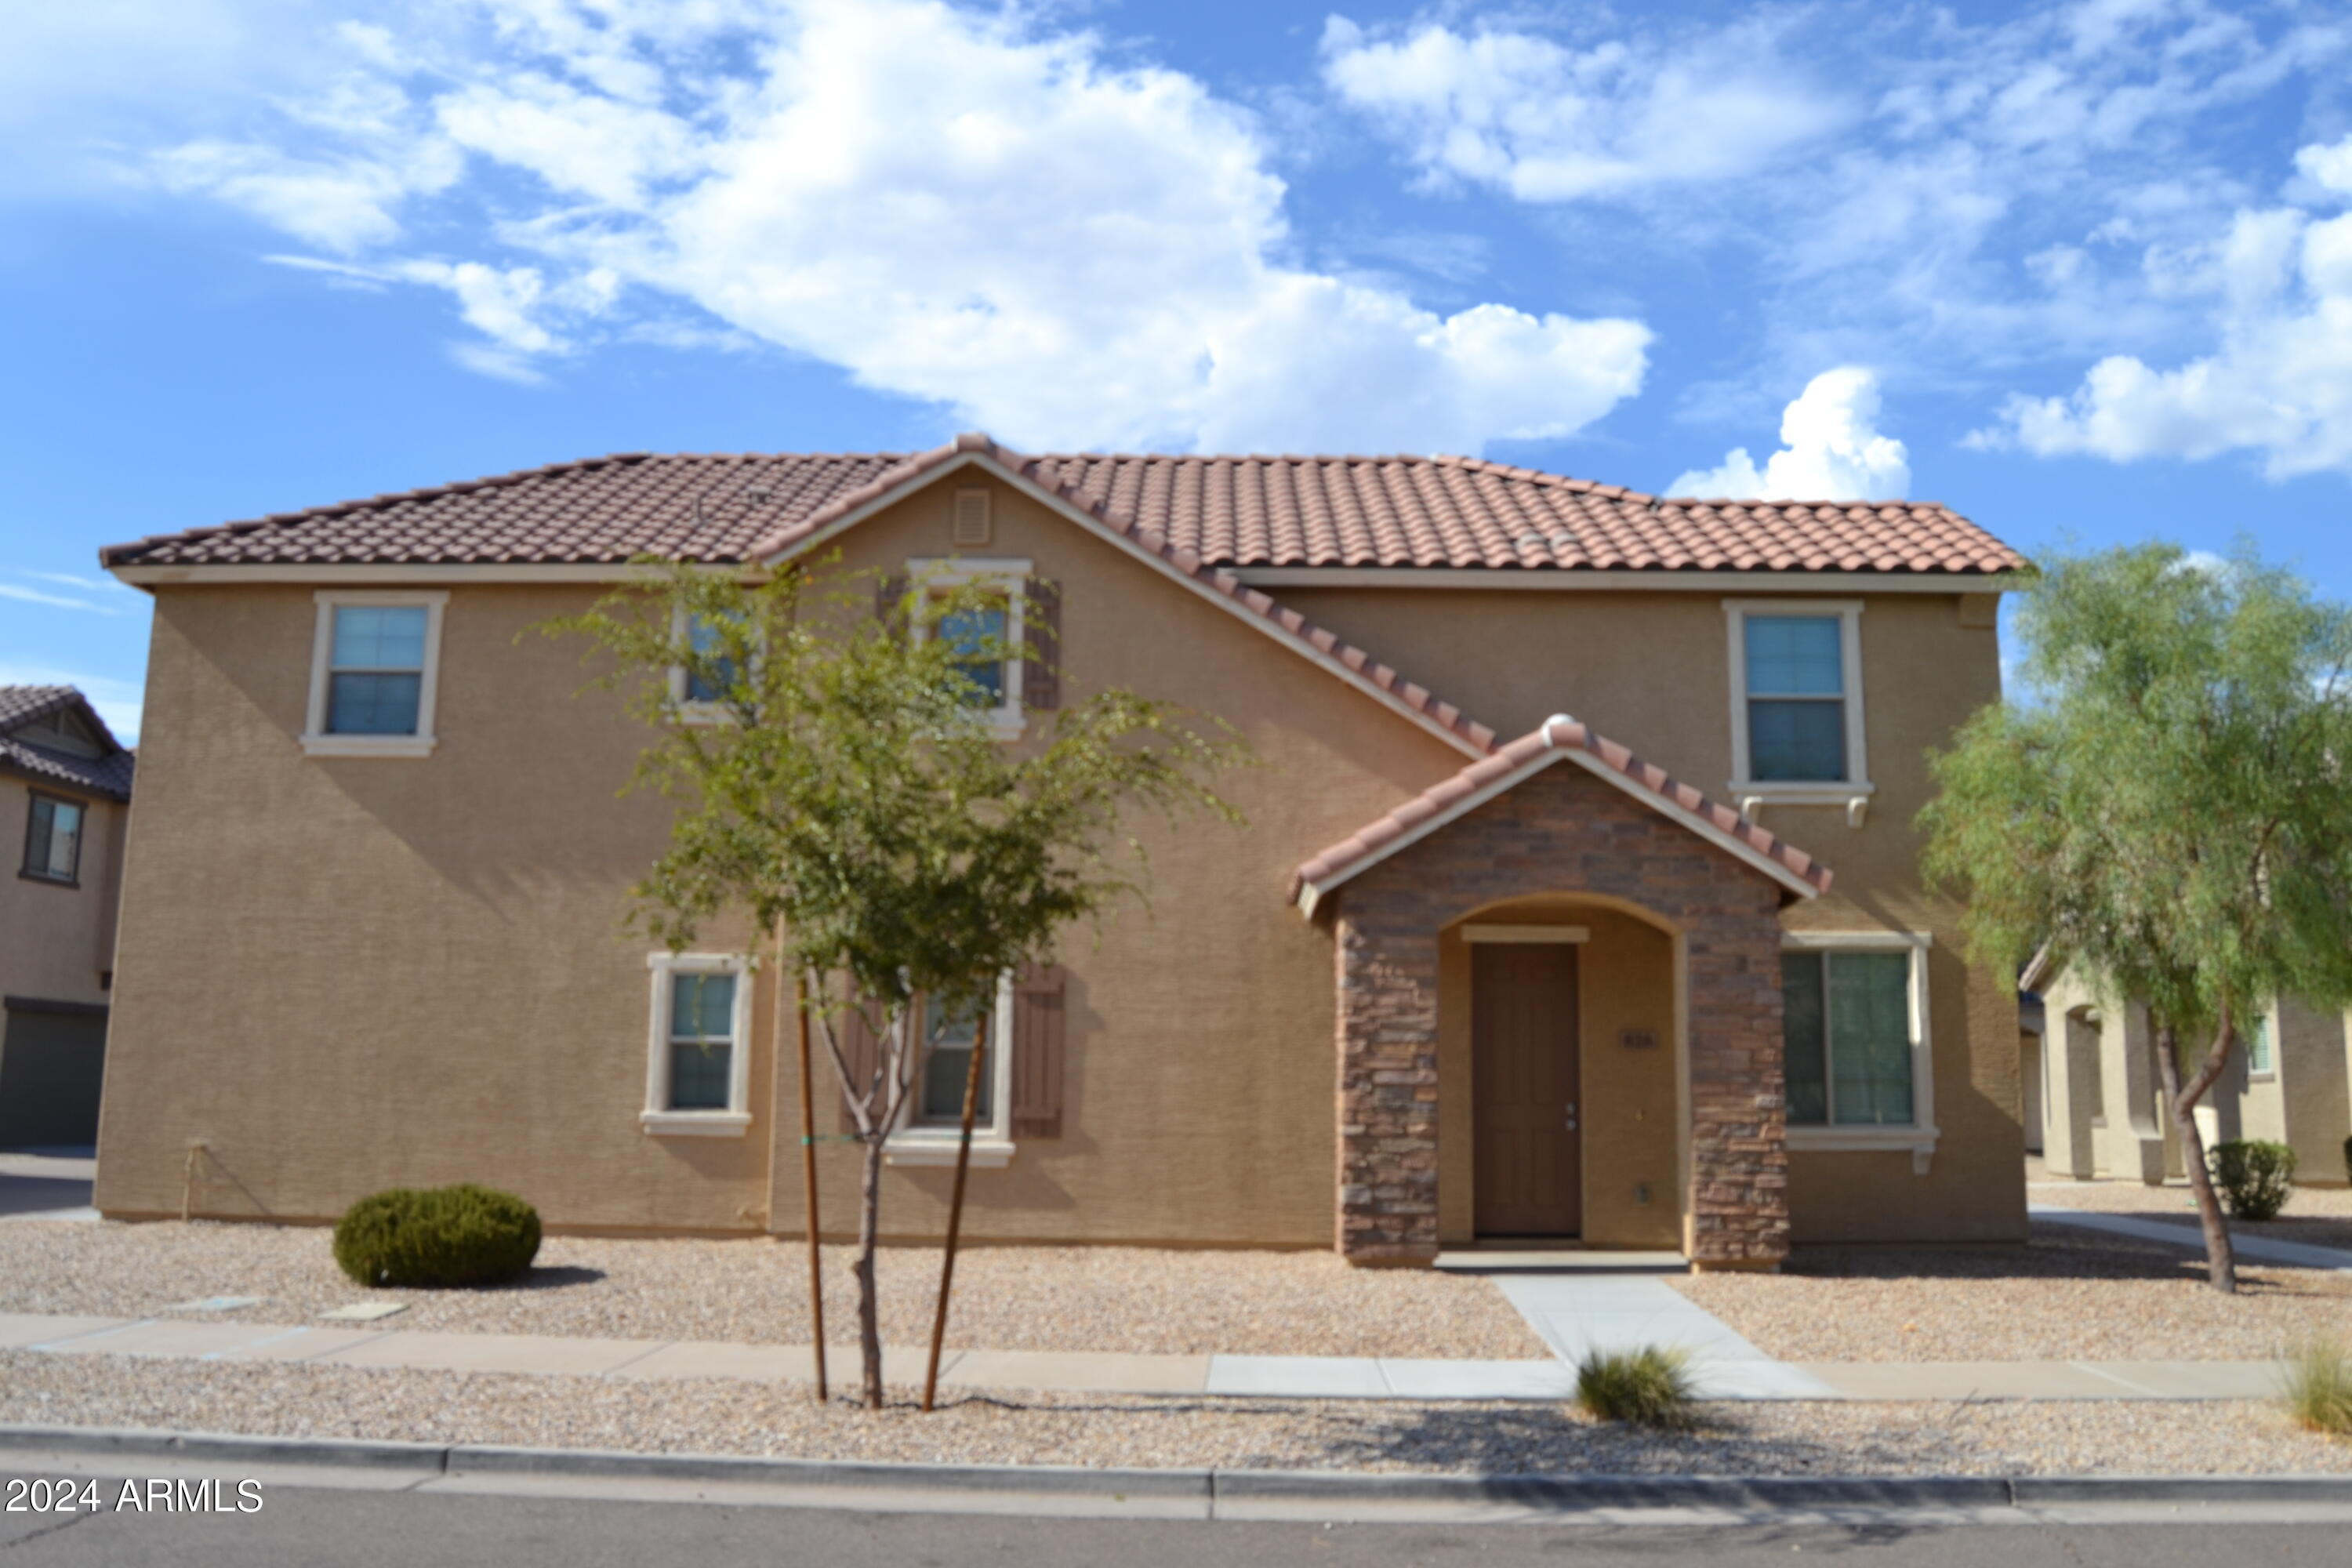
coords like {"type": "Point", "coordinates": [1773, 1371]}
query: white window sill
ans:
{"type": "Point", "coordinates": [695, 1123]}
{"type": "Point", "coordinates": [367, 745]}
{"type": "Point", "coordinates": [1919, 1140]}
{"type": "Point", "coordinates": [988, 1152]}
{"type": "Point", "coordinates": [1854, 797]}
{"type": "Point", "coordinates": [705, 713]}
{"type": "Point", "coordinates": [1006, 724]}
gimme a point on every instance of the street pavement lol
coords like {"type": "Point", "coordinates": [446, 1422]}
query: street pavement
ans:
{"type": "Point", "coordinates": [382, 1530]}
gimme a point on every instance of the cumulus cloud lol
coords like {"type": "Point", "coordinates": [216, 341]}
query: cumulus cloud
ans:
{"type": "Point", "coordinates": [2279, 381]}
{"type": "Point", "coordinates": [960, 208]}
{"type": "Point", "coordinates": [1549, 123]}
{"type": "Point", "coordinates": [1831, 450]}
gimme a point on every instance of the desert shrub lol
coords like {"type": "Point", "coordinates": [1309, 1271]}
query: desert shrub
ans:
{"type": "Point", "coordinates": [437, 1236]}
{"type": "Point", "coordinates": [1650, 1387]}
{"type": "Point", "coordinates": [2316, 1387]}
{"type": "Point", "coordinates": [2255, 1178]}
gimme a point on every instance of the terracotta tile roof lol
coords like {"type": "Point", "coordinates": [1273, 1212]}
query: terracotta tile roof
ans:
{"type": "Point", "coordinates": [108, 775]}
{"type": "Point", "coordinates": [1236, 511]}
{"type": "Point", "coordinates": [1558, 739]}
{"type": "Point", "coordinates": [1284, 624]}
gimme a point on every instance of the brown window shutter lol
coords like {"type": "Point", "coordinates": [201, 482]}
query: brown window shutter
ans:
{"type": "Point", "coordinates": [1040, 1029]}
{"type": "Point", "coordinates": [889, 599]}
{"type": "Point", "coordinates": [862, 1051]}
{"type": "Point", "coordinates": [1040, 618]}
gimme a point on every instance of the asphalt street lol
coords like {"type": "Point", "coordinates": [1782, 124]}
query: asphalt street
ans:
{"type": "Point", "coordinates": [314, 1525]}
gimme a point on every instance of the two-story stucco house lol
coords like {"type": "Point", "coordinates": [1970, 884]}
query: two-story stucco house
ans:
{"type": "Point", "coordinates": [65, 792]}
{"type": "Point", "coordinates": [1578, 900]}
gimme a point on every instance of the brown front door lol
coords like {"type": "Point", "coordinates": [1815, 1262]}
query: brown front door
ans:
{"type": "Point", "coordinates": [1523, 1058]}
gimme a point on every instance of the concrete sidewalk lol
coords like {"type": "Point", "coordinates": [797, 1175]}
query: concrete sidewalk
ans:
{"type": "Point", "coordinates": [1286, 1377]}
{"type": "Point", "coordinates": [2255, 1248]}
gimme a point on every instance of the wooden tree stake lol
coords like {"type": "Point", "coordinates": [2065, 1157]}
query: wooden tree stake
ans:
{"type": "Point", "coordinates": [955, 1206]}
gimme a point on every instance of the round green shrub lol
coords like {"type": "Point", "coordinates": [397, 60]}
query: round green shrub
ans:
{"type": "Point", "coordinates": [2255, 1178]}
{"type": "Point", "coordinates": [437, 1237]}
{"type": "Point", "coordinates": [1649, 1386]}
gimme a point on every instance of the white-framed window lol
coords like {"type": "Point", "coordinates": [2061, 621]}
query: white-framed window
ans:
{"type": "Point", "coordinates": [1797, 734]}
{"type": "Point", "coordinates": [698, 1045]}
{"type": "Point", "coordinates": [699, 701]}
{"type": "Point", "coordinates": [995, 683]}
{"type": "Point", "coordinates": [2262, 1060]}
{"type": "Point", "coordinates": [375, 673]}
{"type": "Point", "coordinates": [932, 1123]}
{"type": "Point", "coordinates": [1856, 1054]}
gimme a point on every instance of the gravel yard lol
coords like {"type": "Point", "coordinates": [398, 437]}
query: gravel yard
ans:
{"type": "Point", "coordinates": [2068, 1295]}
{"type": "Point", "coordinates": [1013, 1298]}
{"type": "Point", "coordinates": [712, 1416]}
{"type": "Point", "coordinates": [2318, 1217]}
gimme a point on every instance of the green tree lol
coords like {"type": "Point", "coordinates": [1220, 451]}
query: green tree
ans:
{"type": "Point", "coordinates": [2172, 810]}
{"type": "Point", "coordinates": [838, 783]}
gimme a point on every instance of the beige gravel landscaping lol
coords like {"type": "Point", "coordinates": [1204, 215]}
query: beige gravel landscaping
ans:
{"type": "Point", "coordinates": [755, 1291]}
{"type": "Point", "coordinates": [2069, 1295]}
{"type": "Point", "coordinates": [713, 1416]}
{"type": "Point", "coordinates": [2316, 1216]}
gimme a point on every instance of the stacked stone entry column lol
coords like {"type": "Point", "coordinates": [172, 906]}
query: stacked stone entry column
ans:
{"type": "Point", "coordinates": [1560, 832]}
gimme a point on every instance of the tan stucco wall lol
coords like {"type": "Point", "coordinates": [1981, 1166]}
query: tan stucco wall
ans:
{"type": "Point", "coordinates": [1628, 1104]}
{"type": "Point", "coordinates": [347, 974]}
{"type": "Point", "coordinates": [56, 942]}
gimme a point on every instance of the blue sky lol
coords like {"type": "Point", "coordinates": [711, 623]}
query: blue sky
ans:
{"type": "Point", "coordinates": [2084, 271]}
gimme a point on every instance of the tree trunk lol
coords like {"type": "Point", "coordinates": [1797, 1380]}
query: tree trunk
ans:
{"type": "Point", "coordinates": [2221, 1258]}
{"type": "Point", "coordinates": [869, 1215]}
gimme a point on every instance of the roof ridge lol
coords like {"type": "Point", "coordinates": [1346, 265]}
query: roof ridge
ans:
{"type": "Point", "coordinates": [110, 555]}
{"type": "Point", "coordinates": [1543, 477]}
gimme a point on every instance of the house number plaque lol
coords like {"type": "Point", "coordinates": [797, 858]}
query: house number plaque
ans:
{"type": "Point", "coordinates": [1638, 1040]}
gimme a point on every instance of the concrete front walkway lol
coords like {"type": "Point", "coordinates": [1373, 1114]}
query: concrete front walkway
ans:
{"type": "Point", "coordinates": [1578, 1313]}
{"type": "Point", "coordinates": [214, 1339]}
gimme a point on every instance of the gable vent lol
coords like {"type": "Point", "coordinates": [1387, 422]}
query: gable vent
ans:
{"type": "Point", "coordinates": [972, 517]}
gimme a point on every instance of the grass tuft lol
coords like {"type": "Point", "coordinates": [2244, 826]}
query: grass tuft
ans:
{"type": "Point", "coordinates": [2317, 1386]}
{"type": "Point", "coordinates": [1649, 1387]}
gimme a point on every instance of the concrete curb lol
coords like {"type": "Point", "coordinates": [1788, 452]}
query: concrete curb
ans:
{"type": "Point", "coordinates": [1339, 1488]}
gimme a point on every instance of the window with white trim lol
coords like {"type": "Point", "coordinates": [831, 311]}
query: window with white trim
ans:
{"type": "Point", "coordinates": [702, 696]}
{"type": "Point", "coordinates": [994, 684]}
{"type": "Point", "coordinates": [2260, 1062]}
{"type": "Point", "coordinates": [698, 1068]}
{"type": "Point", "coordinates": [1855, 1050]}
{"type": "Point", "coordinates": [375, 659]}
{"type": "Point", "coordinates": [1795, 701]}
{"type": "Point", "coordinates": [933, 1122]}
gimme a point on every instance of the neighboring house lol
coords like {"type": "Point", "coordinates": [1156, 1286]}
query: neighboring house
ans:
{"type": "Point", "coordinates": [1472, 971]}
{"type": "Point", "coordinates": [65, 797]}
{"type": "Point", "coordinates": [2103, 1110]}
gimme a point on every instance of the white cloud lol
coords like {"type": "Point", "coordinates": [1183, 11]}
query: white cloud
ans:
{"type": "Point", "coordinates": [1549, 123]}
{"type": "Point", "coordinates": [55, 601]}
{"type": "Point", "coordinates": [1832, 450]}
{"type": "Point", "coordinates": [2278, 382]}
{"type": "Point", "coordinates": [955, 208]}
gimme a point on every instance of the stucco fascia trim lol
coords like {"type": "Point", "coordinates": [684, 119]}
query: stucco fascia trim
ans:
{"type": "Point", "coordinates": [920, 478]}
{"type": "Point", "coordinates": [1606, 579]}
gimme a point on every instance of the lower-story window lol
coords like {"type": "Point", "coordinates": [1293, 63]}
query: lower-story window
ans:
{"type": "Point", "coordinates": [1849, 1038]}
{"type": "Point", "coordinates": [950, 1037]}
{"type": "Point", "coordinates": [696, 1075]}
{"type": "Point", "coordinates": [933, 1121]}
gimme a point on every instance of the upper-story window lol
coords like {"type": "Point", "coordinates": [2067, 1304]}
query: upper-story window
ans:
{"type": "Point", "coordinates": [1796, 702]}
{"type": "Point", "coordinates": [53, 840]}
{"type": "Point", "coordinates": [1003, 636]}
{"type": "Point", "coordinates": [374, 671]}
{"type": "Point", "coordinates": [701, 693]}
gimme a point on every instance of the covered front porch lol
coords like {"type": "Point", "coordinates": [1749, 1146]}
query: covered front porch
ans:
{"type": "Point", "coordinates": [1558, 1014]}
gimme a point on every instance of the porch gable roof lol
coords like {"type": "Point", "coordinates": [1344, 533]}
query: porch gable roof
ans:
{"type": "Point", "coordinates": [1558, 739]}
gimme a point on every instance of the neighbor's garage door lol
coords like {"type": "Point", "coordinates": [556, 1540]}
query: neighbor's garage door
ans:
{"type": "Point", "coordinates": [52, 1061]}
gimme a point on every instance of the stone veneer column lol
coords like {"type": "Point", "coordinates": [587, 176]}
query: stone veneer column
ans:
{"type": "Point", "coordinates": [1561, 832]}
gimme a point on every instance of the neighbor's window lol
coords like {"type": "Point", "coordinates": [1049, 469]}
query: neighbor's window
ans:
{"type": "Point", "coordinates": [701, 1041]}
{"type": "Point", "coordinates": [947, 1063]}
{"type": "Point", "coordinates": [53, 840]}
{"type": "Point", "coordinates": [970, 631]}
{"type": "Point", "coordinates": [1848, 1029]}
{"type": "Point", "coordinates": [375, 669]}
{"type": "Point", "coordinates": [1796, 699]}
{"type": "Point", "coordinates": [695, 684]}
{"type": "Point", "coordinates": [2257, 1035]}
